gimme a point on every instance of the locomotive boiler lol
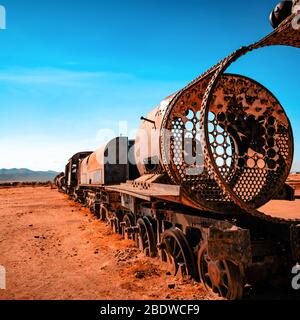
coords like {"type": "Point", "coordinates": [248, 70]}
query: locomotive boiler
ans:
{"type": "Point", "coordinates": [206, 161]}
{"type": "Point", "coordinates": [238, 154]}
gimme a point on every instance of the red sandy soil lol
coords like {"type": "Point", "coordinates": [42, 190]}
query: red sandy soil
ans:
{"type": "Point", "coordinates": [285, 209]}
{"type": "Point", "coordinates": [53, 248]}
{"type": "Point", "coordinates": [294, 176]}
{"type": "Point", "coordinates": [282, 209]}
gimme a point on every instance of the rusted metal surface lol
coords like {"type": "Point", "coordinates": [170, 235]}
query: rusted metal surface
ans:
{"type": "Point", "coordinates": [284, 35]}
{"type": "Point", "coordinates": [282, 10]}
{"type": "Point", "coordinates": [219, 276]}
{"type": "Point", "coordinates": [72, 171]}
{"type": "Point", "coordinates": [148, 190]}
{"type": "Point", "coordinates": [59, 180]}
{"type": "Point", "coordinates": [295, 241]}
{"type": "Point", "coordinates": [107, 165]}
{"type": "Point", "coordinates": [239, 128]}
{"type": "Point", "coordinates": [294, 182]}
{"type": "Point", "coordinates": [287, 192]}
{"type": "Point", "coordinates": [147, 141]}
{"type": "Point", "coordinates": [245, 136]}
{"type": "Point", "coordinates": [233, 244]}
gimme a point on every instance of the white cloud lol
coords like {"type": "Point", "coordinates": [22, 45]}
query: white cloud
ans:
{"type": "Point", "coordinates": [72, 107]}
{"type": "Point", "coordinates": [40, 153]}
{"type": "Point", "coordinates": [55, 76]}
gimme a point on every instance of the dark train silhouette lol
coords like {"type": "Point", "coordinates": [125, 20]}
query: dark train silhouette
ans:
{"type": "Point", "coordinates": [189, 187]}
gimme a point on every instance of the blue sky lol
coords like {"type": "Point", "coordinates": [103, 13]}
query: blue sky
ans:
{"type": "Point", "coordinates": [70, 68]}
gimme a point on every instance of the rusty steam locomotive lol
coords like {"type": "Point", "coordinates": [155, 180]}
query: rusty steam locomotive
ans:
{"type": "Point", "coordinates": [205, 160]}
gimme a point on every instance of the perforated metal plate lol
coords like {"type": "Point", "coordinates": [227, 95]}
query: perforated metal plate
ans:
{"type": "Point", "coordinates": [245, 136]}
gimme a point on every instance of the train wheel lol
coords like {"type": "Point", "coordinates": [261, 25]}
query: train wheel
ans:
{"type": "Point", "coordinates": [103, 213]}
{"type": "Point", "coordinates": [128, 222]}
{"type": "Point", "coordinates": [176, 251]}
{"type": "Point", "coordinates": [220, 277]}
{"type": "Point", "coordinates": [76, 197]}
{"type": "Point", "coordinates": [146, 238]}
{"type": "Point", "coordinates": [114, 223]}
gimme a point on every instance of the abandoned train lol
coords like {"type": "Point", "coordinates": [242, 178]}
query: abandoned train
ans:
{"type": "Point", "coordinates": [189, 187]}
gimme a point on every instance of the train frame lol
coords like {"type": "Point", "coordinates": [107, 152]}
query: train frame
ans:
{"type": "Point", "coordinates": [241, 249]}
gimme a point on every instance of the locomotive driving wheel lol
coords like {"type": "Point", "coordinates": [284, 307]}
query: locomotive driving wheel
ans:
{"type": "Point", "coordinates": [114, 223]}
{"type": "Point", "coordinates": [103, 213]}
{"type": "Point", "coordinates": [176, 251]}
{"type": "Point", "coordinates": [128, 222]}
{"type": "Point", "coordinates": [146, 238]}
{"type": "Point", "coordinates": [220, 277]}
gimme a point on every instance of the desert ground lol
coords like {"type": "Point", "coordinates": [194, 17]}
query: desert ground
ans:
{"type": "Point", "coordinates": [53, 248]}
{"type": "Point", "coordinates": [285, 209]}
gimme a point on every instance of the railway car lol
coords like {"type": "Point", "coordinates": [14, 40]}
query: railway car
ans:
{"type": "Point", "coordinates": [208, 160]}
{"type": "Point", "coordinates": [59, 181]}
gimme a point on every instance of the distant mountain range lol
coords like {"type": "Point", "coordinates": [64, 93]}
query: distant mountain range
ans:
{"type": "Point", "coordinates": [26, 175]}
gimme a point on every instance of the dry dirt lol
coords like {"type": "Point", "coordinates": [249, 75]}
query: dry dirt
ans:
{"type": "Point", "coordinates": [282, 209]}
{"type": "Point", "coordinates": [53, 248]}
{"type": "Point", "coordinates": [286, 209]}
